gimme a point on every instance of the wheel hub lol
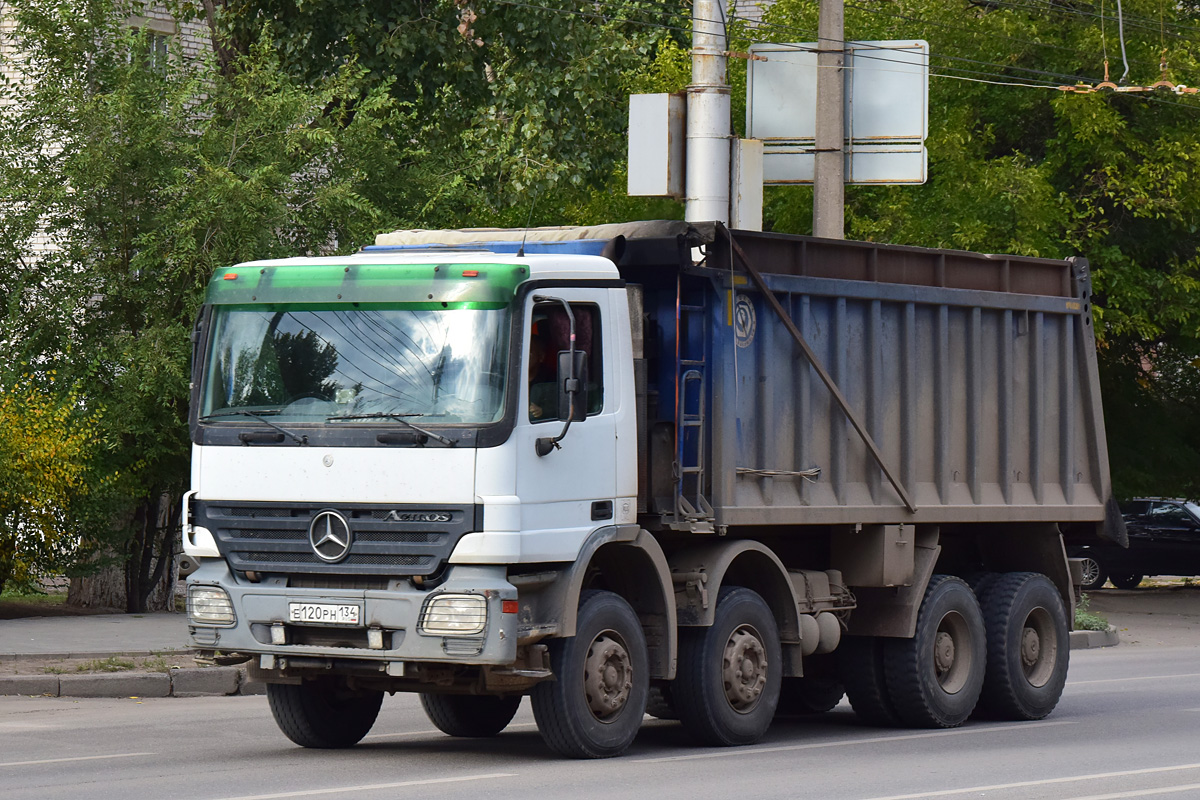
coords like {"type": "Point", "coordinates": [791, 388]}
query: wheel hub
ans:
{"type": "Point", "coordinates": [744, 669]}
{"type": "Point", "coordinates": [1031, 647]}
{"type": "Point", "coordinates": [943, 652]}
{"type": "Point", "coordinates": [607, 676]}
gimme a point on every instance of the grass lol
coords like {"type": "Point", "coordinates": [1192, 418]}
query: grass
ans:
{"type": "Point", "coordinates": [1088, 620]}
{"type": "Point", "coordinates": [34, 598]}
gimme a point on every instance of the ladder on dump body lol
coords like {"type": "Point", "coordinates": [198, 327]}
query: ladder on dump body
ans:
{"type": "Point", "coordinates": [692, 509]}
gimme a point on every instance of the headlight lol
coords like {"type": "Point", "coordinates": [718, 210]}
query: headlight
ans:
{"type": "Point", "coordinates": [209, 605]}
{"type": "Point", "coordinates": [454, 615]}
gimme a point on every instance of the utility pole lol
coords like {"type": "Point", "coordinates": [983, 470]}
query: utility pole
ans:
{"type": "Point", "coordinates": [829, 188]}
{"type": "Point", "coordinates": [708, 126]}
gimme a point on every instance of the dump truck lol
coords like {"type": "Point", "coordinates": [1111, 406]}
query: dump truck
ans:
{"type": "Point", "coordinates": [662, 467]}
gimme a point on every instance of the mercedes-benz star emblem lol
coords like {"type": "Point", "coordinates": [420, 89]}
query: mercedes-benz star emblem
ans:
{"type": "Point", "coordinates": [330, 536]}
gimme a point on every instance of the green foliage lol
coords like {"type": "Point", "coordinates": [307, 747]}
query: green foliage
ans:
{"type": "Point", "coordinates": [46, 446]}
{"type": "Point", "coordinates": [1088, 620]}
{"type": "Point", "coordinates": [515, 107]}
{"type": "Point", "coordinates": [143, 180]}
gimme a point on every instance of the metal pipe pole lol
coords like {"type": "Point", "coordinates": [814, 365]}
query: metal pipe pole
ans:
{"type": "Point", "coordinates": [829, 188]}
{"type": "Point", "coordinates": [708, 125]}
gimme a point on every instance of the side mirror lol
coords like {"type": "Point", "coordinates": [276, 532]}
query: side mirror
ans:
{"type": "Point", "coordinates": [572, 380]}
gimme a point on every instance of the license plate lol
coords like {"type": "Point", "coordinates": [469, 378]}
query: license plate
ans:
{"type": "Point", "coordinates": [324, 613]}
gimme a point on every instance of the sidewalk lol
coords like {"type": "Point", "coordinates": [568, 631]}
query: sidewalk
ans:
{"type": "Point", "coordinates": [33, 647]}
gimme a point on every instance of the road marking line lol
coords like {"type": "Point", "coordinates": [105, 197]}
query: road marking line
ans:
{"type": "Point", "coordinates": [1138, 678]}
{"type": "Point", "coordinates": [1140, 792]}
{"type": "Point", "coordinates": [372, 786]}
{"type": "Point", "coordinates": [77, 758]}
{"type": "Point", "coordinates": [871, 740]}
{"type": "Point", "coordinates": [1049, 781]}
{"type": "Point", "coordinates": [435, 731]}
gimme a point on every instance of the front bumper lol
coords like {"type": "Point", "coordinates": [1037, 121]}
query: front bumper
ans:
{"type": "Point", "coordinates": [393, 615]}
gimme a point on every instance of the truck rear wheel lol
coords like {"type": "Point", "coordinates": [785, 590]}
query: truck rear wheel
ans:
{"type": "Point", "coordinates": [860, 663]}
{"type": "Point", "coordinates": [470, 716]}
{"type": "Point", "coordinates": [323, 713]}
{"type": "Point", "coordinates": [1027, 647]}
{"type": "Point", "coordinates": [594, 707]}
{"type": "Point", "coordinates": [934, 679]}
{"type": "Point", "coordinates": [729, 676]}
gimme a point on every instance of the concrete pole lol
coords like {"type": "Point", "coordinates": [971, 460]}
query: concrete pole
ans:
{"type": "Point", "coordinates": [708, 126]}
{"type": "Point", "coordinates": [829, 189]}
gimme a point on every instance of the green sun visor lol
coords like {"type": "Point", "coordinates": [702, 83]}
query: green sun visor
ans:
{"type": "Point", "coordinates": [424, 285]}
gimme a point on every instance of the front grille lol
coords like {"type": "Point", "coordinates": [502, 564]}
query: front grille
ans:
{"type": "Point", "coordinates": [393, 540]}
{"type": "Point", "coordinates": [357, 582]}
{"type": "Point", "coordinates": [242, 559]}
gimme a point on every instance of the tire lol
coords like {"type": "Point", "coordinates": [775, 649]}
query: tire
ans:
{"type": "Point", "coordinates": [727, 686]}
{"type": "Point", "coordinates": [819, 690]}
{"type": "Point", "coordinates": [980, 581]}
{"type": "Point", "coordinates": [594, 707]}
{"type": "Point", "coordinates": [803, 696]}
{"type": "Point", "coordinates": [934, 678]}
{"type": "Point", "coordinates": [1094, 574]}
{"type": "Point", "coordinates": [660, 705]}
{"type": "Point", "coordinates": [1126, 580]}
{"type": "Point", "coordinates": [323, 713]}
{"type": "Point", "coordinates": [860, 663]}
{"type": "Point", "coordinates": [1028, 647]}
{"type": "Point", "coordinates": [470, 716]}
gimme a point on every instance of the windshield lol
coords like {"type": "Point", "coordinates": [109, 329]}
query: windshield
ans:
{"type": "Point", "coordinates": [299, 364]}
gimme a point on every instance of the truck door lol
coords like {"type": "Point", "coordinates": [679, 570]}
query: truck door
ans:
{"type": "Point", "coordinates": [570, 492]}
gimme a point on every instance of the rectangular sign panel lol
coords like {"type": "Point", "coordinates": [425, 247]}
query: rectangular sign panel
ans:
{"type": "Point", "coordinates": [886, 110]}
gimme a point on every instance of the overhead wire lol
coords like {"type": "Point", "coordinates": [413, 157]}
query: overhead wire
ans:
{"type": "Point", "coordinates": [1002, 77]}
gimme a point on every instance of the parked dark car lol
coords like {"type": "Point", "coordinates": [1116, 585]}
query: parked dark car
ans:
{"type": "Point", "coordinates": [1164, 539]}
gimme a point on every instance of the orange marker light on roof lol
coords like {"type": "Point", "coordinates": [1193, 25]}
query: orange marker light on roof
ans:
{"type": "Point", "coordinates": [230, 276]}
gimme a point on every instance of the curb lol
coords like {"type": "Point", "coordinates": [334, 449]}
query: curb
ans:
{"type": "Point", "coordinates": [189, 682]}
{"type": "Point", "coordinates": [1086, 640]}
{"type": "Point", "coordinates": [94, 654]}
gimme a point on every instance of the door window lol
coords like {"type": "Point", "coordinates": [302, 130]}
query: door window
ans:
{"type": "Point", "coordinates": [550, 334]}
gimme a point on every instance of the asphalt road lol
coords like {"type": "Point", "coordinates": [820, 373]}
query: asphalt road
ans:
{"type": "Point", "coordinates": [1128, 726]}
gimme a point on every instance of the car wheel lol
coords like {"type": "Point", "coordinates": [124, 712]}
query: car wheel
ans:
{"type": "Point", "coordinates": [1126, 580]}
{"type": "Point", "coordinates": [1094, 574]}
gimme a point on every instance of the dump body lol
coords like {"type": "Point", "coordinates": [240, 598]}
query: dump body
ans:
{"type": "Point", "coordinates": [974, 375]}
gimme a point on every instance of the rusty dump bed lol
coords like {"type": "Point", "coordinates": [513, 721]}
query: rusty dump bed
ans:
{"type": "Point", "coordinates": [973, 380]}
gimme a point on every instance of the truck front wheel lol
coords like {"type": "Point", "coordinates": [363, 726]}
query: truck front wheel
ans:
{"type": "Point", "coordinates": [594, 706]}
{"type": "Point", "coordinates": [1028, 647]}
{"type": "Point", "coordinates": [323, 713]}
{"type": "Point", "coordinates": [729, 676]}
{"type": "Point", "coordinates": [470, 716]}
{"type": "Point", "coordinates": [934, 679]}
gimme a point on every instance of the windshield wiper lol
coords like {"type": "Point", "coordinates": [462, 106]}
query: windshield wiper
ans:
{"type": "Point", "coordinates": [401, 419]}
{"type": "Point", "coordinates": [294, 437]}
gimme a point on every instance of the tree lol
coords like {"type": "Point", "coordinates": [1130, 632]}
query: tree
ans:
{"type": "Point", "coordinates": [519, 109]}
{"type": "Point", "coordinates": [47, 444]}
{"type": "Point", "coordinates": [143, 178]}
